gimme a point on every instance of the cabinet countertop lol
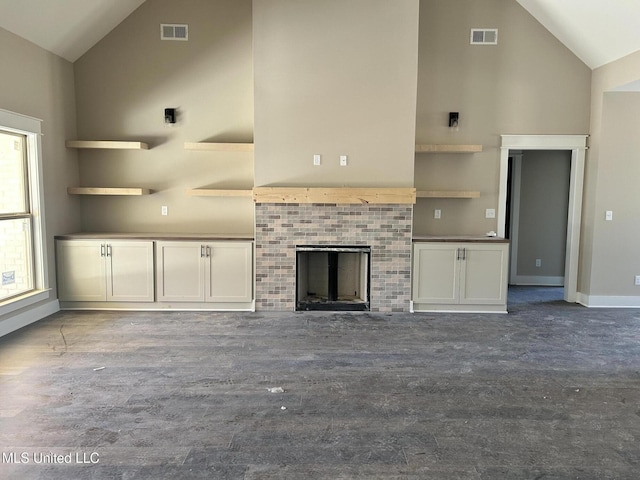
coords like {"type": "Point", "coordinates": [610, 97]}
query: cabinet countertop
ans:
{"type": "Point", "coordinates": [155, 236]}
{"type": "Point", "coordinates": [459, 238]}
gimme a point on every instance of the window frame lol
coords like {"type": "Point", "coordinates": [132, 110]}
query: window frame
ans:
{"type": "Point", "coordinates": [31, 128]}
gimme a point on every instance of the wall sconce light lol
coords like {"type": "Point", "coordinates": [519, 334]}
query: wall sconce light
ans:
{"type": "Point", "coordinates": [169, 115]}
{"type": "Point", "coordinates": [453, 121]}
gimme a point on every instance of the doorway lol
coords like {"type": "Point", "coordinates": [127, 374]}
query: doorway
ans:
{"type": "Point", "coordinates": [536, 220]}
{"type": "Point", "coordinates": [576, 145]}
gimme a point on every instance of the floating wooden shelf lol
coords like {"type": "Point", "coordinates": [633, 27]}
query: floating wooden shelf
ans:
{"type": "Point", "coordinates": [219, 147]}
{"type": "Point", "coordinates": [344, 195]}
{"type": "Point", "coordinates": [106, 144]}
{"type": "Point", "coordinates": [432, 148]}
{"type": "Point", "coordinates": [107, 191]}
{"type": "Point", "coordinates": [218, 192]}
{"type": "Point", "coordinates": [447, 194]}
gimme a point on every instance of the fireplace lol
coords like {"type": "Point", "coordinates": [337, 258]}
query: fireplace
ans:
{"type": "Point", "coordinates": [383, 230]}
{"type": "Point", "coordinates": [334, 278]}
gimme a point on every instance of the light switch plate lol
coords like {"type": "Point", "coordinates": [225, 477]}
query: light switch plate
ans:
{"type": "Point", "coordinates": [490, 213]}
{"type": "Point", "coordinates": [608, 215]}
{"type": "Point", "coordinates": [316, 159]}
{"type": "Point", "coordinates": [437, 213]}
{"type": "Point", "coordinates": [343, 160]}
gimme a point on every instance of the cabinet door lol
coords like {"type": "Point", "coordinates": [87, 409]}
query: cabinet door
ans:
{"type": "Point", "coordinates": [81, 270]}
{"type": "Point", "coordinates": [130, 271]}
{"type": "Point", "coordinates": [435, 273]}
{"type": "Point", "coordinates": [180, 271]}
{"type": "Point", "coordinates": [229, 272]}
{"type": "Point", "coordinates": [483, 279]}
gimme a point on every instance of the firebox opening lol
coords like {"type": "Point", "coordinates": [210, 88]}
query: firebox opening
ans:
{"type": "Point", "coordinates": [332, 278]}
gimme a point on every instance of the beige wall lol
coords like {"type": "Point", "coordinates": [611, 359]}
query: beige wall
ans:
{"type": "Point", "coordinates": [123, 85]}
{"type": "Point", "coordinates": [604, 267]}
{"type": "Point", "coordinates": [335, 77]}
{"type": "Point", "coordinates": [527, 84]}
{"type": "Point", "coordinates": [39, 84]}
{"type": "Point", "coordinates": [331, 78]}
{"type": "Point", "coordinates": [615, 259]}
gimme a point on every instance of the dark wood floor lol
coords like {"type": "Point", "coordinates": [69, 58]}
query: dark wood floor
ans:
{"type": "Point", "coordinates": [549, 391]}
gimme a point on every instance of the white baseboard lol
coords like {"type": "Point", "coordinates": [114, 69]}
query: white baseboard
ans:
{"type": "Point", "coordinates": [28, 317]}
{"type": "Point", "coordinates": [608, 301]}
{"type": "Point", "coordinates": [537, 281]}
{"type": "Point", "coordinates": [457, 308]}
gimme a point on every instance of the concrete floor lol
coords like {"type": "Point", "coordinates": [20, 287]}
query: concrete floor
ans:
{"type": "Point", "coordinates": [550, 391]}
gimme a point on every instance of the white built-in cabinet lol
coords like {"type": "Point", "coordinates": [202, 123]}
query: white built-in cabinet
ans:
{"type": "Point", "coordinates": [211, 272]}
{"type": "Point", "coordinates": [105, 270]}
{"type": "Point", "coordinates": [152, 274]}
{"type": "Point", "coordinates": [465, 276]}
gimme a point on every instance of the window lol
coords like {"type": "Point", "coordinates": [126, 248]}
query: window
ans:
{"type": "Point", "coordinates": [22, 245]}
{"type": "Point", "coordinates": [16, 250]}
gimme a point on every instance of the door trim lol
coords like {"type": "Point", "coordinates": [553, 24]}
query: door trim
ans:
{"type": "Point", "coordinates": [577, 144]}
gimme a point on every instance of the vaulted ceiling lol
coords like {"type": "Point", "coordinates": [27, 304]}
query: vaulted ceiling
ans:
{"type": "Point", "coordinates": [67, 28]}
{"type": "Point", "coordinates": [597, 31]}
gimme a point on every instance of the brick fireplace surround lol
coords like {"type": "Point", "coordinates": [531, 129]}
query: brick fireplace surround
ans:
{"type": "Point", "coordinates": [386, 228]}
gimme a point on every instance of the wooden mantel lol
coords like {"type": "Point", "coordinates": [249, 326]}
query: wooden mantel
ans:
{"type": "Point", "coordinates": [344, 195]}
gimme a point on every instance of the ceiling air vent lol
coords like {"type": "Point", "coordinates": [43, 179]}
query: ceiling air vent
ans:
{"type": "Point", "coordinates": [484, 36]}
{"type": "Point", "coordinates": [174, 31]}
